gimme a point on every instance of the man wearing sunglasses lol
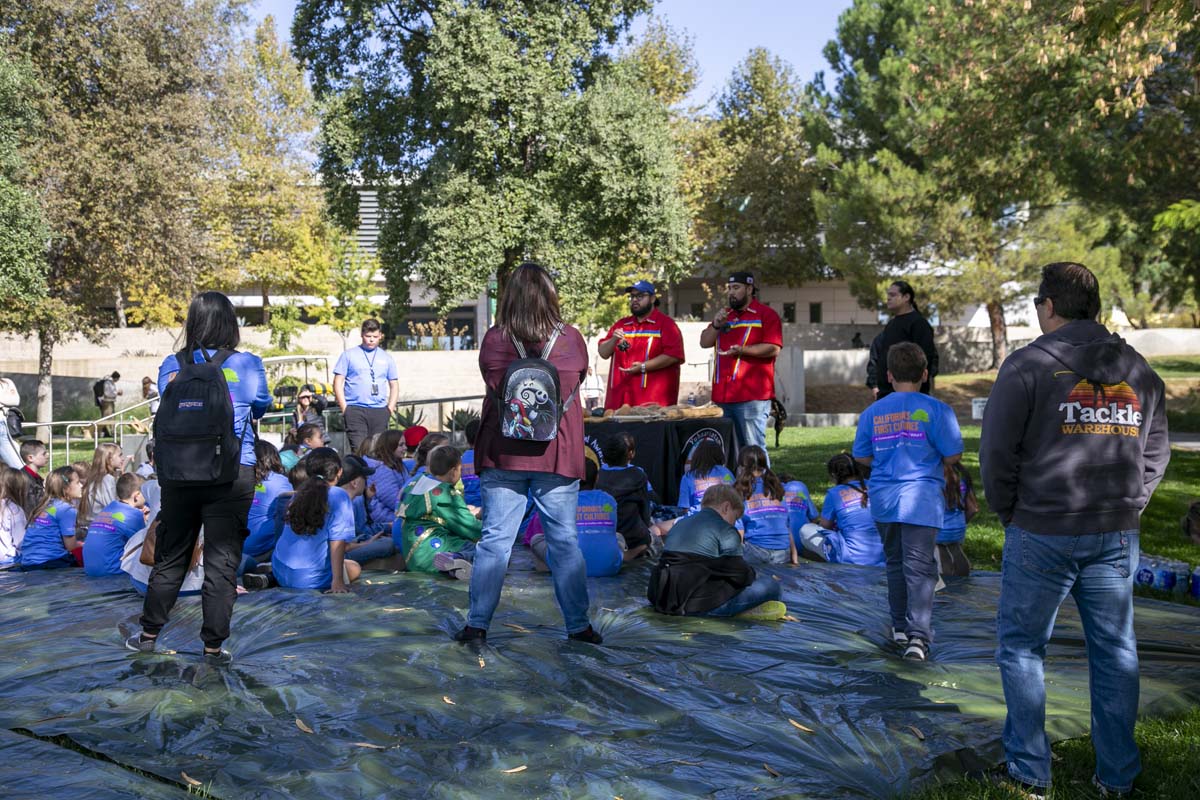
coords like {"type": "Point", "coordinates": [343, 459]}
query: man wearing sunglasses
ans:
{"type": "Point", "coordinates": [1074, 443]}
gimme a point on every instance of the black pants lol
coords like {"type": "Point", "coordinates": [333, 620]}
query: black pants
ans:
{"type": "Point", "coordinates": [222, 511]}
{"type": "Point", "coordinates": [362, 423]}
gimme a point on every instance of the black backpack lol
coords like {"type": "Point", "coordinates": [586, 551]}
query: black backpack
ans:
{"type": "Point", "coordinates": [193, 430]}
{"type": "Point", "coordinates": [529, 396]}
{"type": "Point", "coordinates": [98, 391]}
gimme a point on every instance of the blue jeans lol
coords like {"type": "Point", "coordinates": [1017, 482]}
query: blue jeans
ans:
{"type": "Point", "coordinates": [504, 495]}
{"type": "Point", "coordinates": [911, 576]}
{"type": "Point", "coordinates": [1036, 574]}
{"type": "Point", "coordinates": [761, 555]}
{"type": "Point", "coordinates": [749, 422]}
{"type": "Point", "coordinates": [383, 547]}
{"type": "Point", "coordinates": [763, 589]}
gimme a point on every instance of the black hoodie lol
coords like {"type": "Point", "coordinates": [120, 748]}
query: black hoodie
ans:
{"type": "Point", "coordinates": [1075, 434]}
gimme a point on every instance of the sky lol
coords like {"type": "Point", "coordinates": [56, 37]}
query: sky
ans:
{"type": "Point", "coordinates": [723, 32]}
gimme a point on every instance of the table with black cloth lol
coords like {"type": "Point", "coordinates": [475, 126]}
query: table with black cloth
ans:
{"type": "Point", "coordinates": [664, 446]}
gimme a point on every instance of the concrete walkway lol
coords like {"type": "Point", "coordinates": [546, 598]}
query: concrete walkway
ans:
{"type": "Point", "coordinates": [1186, 441]}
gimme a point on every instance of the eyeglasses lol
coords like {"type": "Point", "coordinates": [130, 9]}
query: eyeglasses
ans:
{"type": "Point", "coordinates": [305, 397]}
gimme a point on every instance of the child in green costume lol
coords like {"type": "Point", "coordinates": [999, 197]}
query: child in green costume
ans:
{"type": "Point", "coordinates": [438, 530]}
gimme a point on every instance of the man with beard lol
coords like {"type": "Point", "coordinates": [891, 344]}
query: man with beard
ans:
{"type": "Point", "coordinates": [647, 349]}
{"type": "Point", "coordinates": [748, 336]}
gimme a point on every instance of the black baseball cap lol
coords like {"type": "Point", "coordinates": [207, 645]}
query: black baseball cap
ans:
{"type": "Point", "coordinates": [742, 277]}
{"type": "Point", "coordinates": [354, 467]}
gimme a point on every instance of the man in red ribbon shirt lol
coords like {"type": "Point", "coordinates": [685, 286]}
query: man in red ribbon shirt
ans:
{"type": "Point", "coordinates": [647, 349]}
{"type": "Point", "coordinates": [748, 336]}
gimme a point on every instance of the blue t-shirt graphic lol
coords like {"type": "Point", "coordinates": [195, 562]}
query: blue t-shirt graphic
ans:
{"type": "Point", "coordinates": [596, 521]}
{"type": "Point", "coordinates": [247, 388]}
{"type": "Point", "coordinates": [44, 537]}
{"type": "Point", "coordinates": [858, 541]}
{"type": "Point", "coordinates": [261, 519]}
{"type": "Point", "coordinates": [106, 538]}
{"type": "Point", "coordinates": [801, 510]}
{"type": "Point", "coordinates": [302, 562]}
{"type": "Point", "coordinates": [908, 434]}
{"type": "Point", "coordinates": [692, 487]}
{"type": "Point", "coordinates": [367, 373]}
{"type": "Point", "coordinates": [766, 521]}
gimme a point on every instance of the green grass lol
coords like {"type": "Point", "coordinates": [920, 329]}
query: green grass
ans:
{"type": "Point", "coordinates": [1170, 749]}
{"type": "Point", "coordinates": [1169, 367]}
{"type": "Point", "coordinates": [804, 451]}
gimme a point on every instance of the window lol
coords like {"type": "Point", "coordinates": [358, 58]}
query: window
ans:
{"type": "Point", "coordinates": [814, 313]}
{"type": "Point", "coordinates": [698, 310]}
{"type": "Point", "coordinates": [789, 312]}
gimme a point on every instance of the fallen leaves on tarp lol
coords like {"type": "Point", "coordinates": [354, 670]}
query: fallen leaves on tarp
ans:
{"type": "Point", "coordinates": [517, 628]}
{"type": "Point", "coordinates": [789, 618]}
{"type": "Point", "coordinates": [917, 732]}
{"type": "Point", "coordinates": [514, 770]}
{"type": "Point", "coordinates": [370, 746]}
{"type": "Point", "coordinates": [773, 773]}
{"type": "Point", "coordinates": [302, 726]}
{"type": "Point", "coordinates": [448, 701]}
{"type": "Point", "coordinates": [798, 726]}
{"type": "Point", "coordinates": [189, 780]}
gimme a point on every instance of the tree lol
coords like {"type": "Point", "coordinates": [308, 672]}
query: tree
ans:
{"type": "Point", "coordinates": [127, 94]}
{"type": "Point", "coordinates": [22, 229]}
{"type": "Point", "coordinates": [494, 132]}
{"type": "Point", "coordinates": [761, 216]}
{"type": "Point", "coordinates": [351, 284]}
{"type": "Point", "coordinates": [263, 207]}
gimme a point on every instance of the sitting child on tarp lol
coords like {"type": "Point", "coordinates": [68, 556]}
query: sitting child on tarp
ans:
{"type": "Point", "coordinates": [111, 529]}
{"type": "Point", "coordinates": [50, 536]}
{"type": "Point", "coordinates": [702, 571]}
{"type": "Point", "coordinates": [705, 468]}
{"type": "Point", "coordinates": [801, 509]}
{"type": "Point", "coordinates": [604, 550]}
{"type": "Point", "coordinates": [768, 538]}
{"type": "Point", "coordinates": [138, 559]}
{"type": "Point", "coordinates": [845, 533]}
{"type": "Point", "coordinates": [437, 530]}
{"type": "Point", "coordinates": [311, 551]}
{"type": "Point", "coordinates": [628, 485]}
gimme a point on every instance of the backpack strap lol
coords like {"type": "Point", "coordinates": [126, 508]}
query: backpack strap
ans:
{"type": "Point", "coordinates": [517, 344]}
{"type": "Point", "coordinates": [550, 342]}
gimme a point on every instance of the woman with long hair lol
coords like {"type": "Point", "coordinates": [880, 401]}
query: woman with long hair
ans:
{"type": "Point", "coordinates": [13, 489]}
{"type": "Point", "coordinates": [845, 533]}
{"type": "Point", "coordinates": [100, 486]}
{"type": "Point", "coordinates": [511, 469]}
{"type": "Point", "coordinates": [210, 334]}
{"type": "Point", "coordinates": [271, 484]}
{"type": "Point", "coordinates": [50, 535]}
{"type": "Point", "coordinates": [387, 459]}
{"type": "Point", "coordinates": [768, 538]}
{"type": "Point", "coordinates": [311, 551]}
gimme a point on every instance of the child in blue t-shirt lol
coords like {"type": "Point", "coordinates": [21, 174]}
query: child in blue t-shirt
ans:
{"type": "Point", "coordinates": [961, 506]}
{"type": "Point", "coordinates": [905, 438]}
{"type": "Point", "coordinates": [50, 535]}
{"type": "Point", "coordinates": [845, 532]}
{"type": "Point", "coordinates": [705, 468]}
{"type": "Point", "coordinates": [311, 551]}
{"type": "Point", "coordinates": [768, 532]}
{"type": "Point", "coordinates": [604, 550]}
{"type": "Point", "coordinates": [470, 481]}
{"type": "Point", "coordinates": [113, 527]}
{"type": "Point", "coordinates": [272, 485]}
{"type": "Point", "coordinates": [801, 510]}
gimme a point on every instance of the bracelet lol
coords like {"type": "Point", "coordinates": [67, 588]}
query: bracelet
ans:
{"type": "Point", "coordinates": [643, 367]}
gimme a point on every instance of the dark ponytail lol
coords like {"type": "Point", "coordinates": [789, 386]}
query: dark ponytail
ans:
{"type": "Point", "coordinates": [310, 504]}
{"type": "Point", "coordinates": [844, 469]}
{"type": "Point", "coordinates": [752, 459]}
{"type": "Point", "coordinates": [956, 475]}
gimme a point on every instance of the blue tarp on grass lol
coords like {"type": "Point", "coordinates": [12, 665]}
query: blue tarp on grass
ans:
{"type": "Point", "coordinates": [667, 707]}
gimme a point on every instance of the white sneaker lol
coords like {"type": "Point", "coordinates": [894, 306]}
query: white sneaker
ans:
{"type": "Point", "coordinates": [917, 650]}
{"type": "Point", "coordinates": [899, 637]}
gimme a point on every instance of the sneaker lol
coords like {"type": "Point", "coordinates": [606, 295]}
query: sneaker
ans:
{"type": "Point", "coordinates": [221, 658]}
{"type": "Point", "coordinates": [917, 650]}
{"type": "Point", "coordinates": [1104, 791]}
{"type": "Point", "coordinates": [453, 565]}
{"type": "Point", "coordinates": [469, 634]}
{"type": "Point", "coordinates": [588, 635]}
{"type": "Point", "coordinates": [139, 645]}
{"type": "Point", "coordinates": [769, 611]}
{"type": "Point", "coordinates": [1017, 788]}
{"type": "Point", "coordinates": [256, 581]}
{"type": "Point", "coordinates": [899, 637]}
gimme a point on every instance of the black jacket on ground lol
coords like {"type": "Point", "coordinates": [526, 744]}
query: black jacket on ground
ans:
{"type": "Point", "coordinates": [686, 583]}
{"type": "Point", "coordinates": [910, 327]}
{"type": "Point", "coordinates": [1075, 434]}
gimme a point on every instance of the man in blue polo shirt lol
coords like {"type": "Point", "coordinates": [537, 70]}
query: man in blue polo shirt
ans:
{"type": "Point", "coordinates": [366, 386]}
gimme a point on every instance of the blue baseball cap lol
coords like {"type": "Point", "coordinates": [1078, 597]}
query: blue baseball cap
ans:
{"type": "Point", "coordinates": [640, 286]}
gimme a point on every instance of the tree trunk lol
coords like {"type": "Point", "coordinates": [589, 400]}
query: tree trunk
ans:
{"type": "Point", "coordinates": [999, 333]}
{"type": "Point", "coordinates": [45, 387]}
{"type": "Point", "coordinates": [119, 306]}
{"type": "Point", "coordinates": [266, 304]}
{"type": "Point", "coordinates": [513, 257]}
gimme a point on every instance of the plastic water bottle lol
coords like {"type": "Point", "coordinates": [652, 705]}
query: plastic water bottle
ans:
{"type": "Point", "coordinates": [692, 398]}
{"type": "Point", "coordinates": [1182, 577]}
{"type": "Point", "coordinates": [1145, 572]}
{"type": "Point", "coordinates": [1164, 576]}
